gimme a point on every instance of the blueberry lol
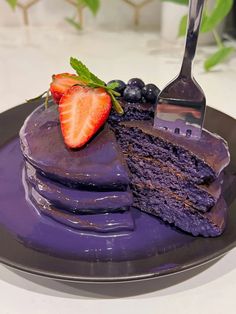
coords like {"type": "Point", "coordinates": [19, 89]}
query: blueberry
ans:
{"type": "Point", "coordinates": [137, 82]}
{"type": "Point", "coordinates": [132, 94]}
{"type": "Point", "coordinates": [150, 92]}
{"type": "Point", "coordinates": [119, 89]}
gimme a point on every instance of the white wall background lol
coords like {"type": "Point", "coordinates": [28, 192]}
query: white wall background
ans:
{"type": "Point", "coordinates": [113, 14]}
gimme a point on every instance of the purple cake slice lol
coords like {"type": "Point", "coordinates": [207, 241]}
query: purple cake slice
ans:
{"type": "Point", "coordinates": [99, 165]}
{"type": "Point", "coordinates": [175, 178]}
{"type": "Point", "coordinates": [77, 201]}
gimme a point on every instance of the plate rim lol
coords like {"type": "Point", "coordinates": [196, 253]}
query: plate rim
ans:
{"type": "Point", "coordinates": [122, 279]}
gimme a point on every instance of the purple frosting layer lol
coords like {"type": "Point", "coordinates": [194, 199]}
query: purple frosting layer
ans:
{"type": "Point", "coordinates": [102, 223]}
{"type": "Point", "coordinates": [78, 201]}
{"type": "Point", "coordinates": [99, 165]}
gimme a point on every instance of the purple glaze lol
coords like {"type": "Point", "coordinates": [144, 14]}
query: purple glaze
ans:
{"type": "Point", "coordinates": [150, 237]}
{"type": "Point", "coordinates": [99, 165]}
{"type": "Point", "coordinates": [108, 222]}
{"type": "Point", "coordinates": [78, 201]}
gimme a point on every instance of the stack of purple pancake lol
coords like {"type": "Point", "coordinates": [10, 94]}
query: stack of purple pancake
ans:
{"type": "Point", "coordinates": [71, 186]}
{"type": "Point", "coordinates": [127, 163]}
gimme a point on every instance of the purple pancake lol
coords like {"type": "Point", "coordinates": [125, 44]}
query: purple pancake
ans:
{"type": "Point", "coordinates": [78, 201]}
{"type": "Point", "coordinates": [209, 224]}
{"type": "Point", "coordinates": [201, 161]}
{"type": "Point", "coordinates": [158, 175]}
{"type": "Point", "coordinates": [99, 165]}
{"type": "Point", "coordinates": [99, 223]}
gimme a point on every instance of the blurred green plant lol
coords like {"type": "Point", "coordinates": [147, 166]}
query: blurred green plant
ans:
{"type": "Point", "coordinates": [92, 5]}
{"type": "Point", "coordinates": [12, 3]}
{"type": "Point", "coordinates": [210, 20]}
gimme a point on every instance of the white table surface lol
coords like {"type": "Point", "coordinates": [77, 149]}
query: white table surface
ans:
{"type": "Point", "coordinates": [28, 57]}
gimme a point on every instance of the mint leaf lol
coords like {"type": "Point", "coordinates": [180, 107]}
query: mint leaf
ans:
{"type": "Point", "coordinates": [183, 26]}
{"type": "Point", "coordinates": [74, 23]}
{"type": "Point", "coordinates": [81, 70]}
{"type": "Point", "coordinates": [217, 57]}
{"type": "Point", "coordinates": [219, 12]}
{"type": "Point", "coordinates": [96, 80]}
{"type": "Point", "coordinates": [183, 2]}
{"type": "Point", "coordinates": [93, 81]}
{"type": "Point", "coordinates": [12, 3]}
{"type": "Point", "coordinates": [84, 72]}
{"type": "Point", "coordinates": [93, 5]}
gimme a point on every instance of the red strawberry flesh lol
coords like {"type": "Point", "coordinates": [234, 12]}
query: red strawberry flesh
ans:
{"type": "Point", "coordinates": [61, 83]}
{"type": "Point", "coordinates": [83, 111]}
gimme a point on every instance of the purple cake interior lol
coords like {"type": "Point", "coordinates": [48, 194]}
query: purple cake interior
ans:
{"type": "Point", "coordinates": [132, 112]}
{"type": "Point", "coordinates": [167, 179]}
{"type": "Point", "coordinates": [201, 161]}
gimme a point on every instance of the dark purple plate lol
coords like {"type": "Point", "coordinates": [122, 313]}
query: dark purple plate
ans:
{"type": "Point", "coordinates": [154, 250]}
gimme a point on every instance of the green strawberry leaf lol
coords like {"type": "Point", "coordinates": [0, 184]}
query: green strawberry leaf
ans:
{"type": "Point", "coordinates": [113, 85]}
{"type": "Point", "coordinates": [72, 22]}
{"type": "Point", "coordinates": [12, 3]}
{"type": "Point", "coordinates": [93, 5]}
{"type": "Point", "coordinates": [219, 12]}
{"type": "Point", "coordinates": [183, 2]}
{"type": "Point", "coordinates": [116, 103]}
{"type": "Point", "coordinates": [217, 57]}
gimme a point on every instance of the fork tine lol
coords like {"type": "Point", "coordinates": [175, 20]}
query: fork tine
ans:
{"type": "Point", "coordinates": [181, 104]}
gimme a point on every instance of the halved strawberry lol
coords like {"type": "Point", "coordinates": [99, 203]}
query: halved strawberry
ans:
{"type": "Point", "coordinates": [61, 83]}
{"type": "Point", "coordinates": [83, 111]}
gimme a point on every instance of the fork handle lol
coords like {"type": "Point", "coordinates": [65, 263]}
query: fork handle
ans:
{"type": "Point", "coordinates": [194, 21]}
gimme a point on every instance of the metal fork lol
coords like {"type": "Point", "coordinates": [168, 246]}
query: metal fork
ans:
{"type": "Point", "coordinates": [181, 104]}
